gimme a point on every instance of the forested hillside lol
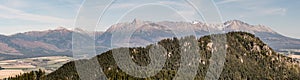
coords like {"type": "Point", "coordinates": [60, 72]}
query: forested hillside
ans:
{"type": "Point", "coordinates": [247, 57]}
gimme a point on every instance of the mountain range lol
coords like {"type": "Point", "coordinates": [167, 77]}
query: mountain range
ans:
{"type": "Point", "coordinates": [149, 32]}
{"type": "Point", "coordinates": [59, 41]}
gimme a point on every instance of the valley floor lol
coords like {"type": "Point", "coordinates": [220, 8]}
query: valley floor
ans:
{"type": "Point", "coordinates": [18, 66]}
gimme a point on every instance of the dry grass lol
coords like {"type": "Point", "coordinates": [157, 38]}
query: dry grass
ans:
{"type": "Point", "coordinates": [17, 66]}
{"type": "Point", "coordinates": [8, 73]}
{"type": "Point", "coordinates": [294, 56]}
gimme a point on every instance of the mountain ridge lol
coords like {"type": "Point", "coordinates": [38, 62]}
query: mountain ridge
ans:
{"type": "Point", "coordinates": [59, 41]}
{"type": "Point", "coordinates": [276, 40]}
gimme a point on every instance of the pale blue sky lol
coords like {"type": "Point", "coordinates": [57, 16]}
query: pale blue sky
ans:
{"type": "Point", "coordinates": [26, 15]}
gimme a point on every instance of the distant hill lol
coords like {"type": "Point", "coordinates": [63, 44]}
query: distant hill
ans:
{"type": "Point", "coordinates": [247, 57]}
{"type": "Point", "coordinates": [37, 43]}
{"type": "Point", "coordinates": [58, 42]}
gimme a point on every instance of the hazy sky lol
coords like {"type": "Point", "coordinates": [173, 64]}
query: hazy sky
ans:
{"type": "Point", "coordinates": [26, 15]}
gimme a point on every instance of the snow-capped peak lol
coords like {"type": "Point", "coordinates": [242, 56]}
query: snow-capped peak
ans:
{"type": "Point", "coordinates": [237, 25]}
{"type": "Point", "coordinates": [235, 22]}
{"type": "Point", "coordinates": [195, 22]}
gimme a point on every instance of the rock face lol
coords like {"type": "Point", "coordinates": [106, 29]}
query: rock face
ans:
{"type": "Point", "coordinates": [247, 57]}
